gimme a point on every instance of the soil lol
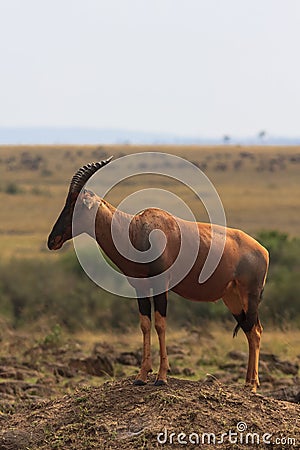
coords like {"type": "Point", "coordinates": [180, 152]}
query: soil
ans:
{"type": "Point", "coordinates": [118, 415]}
{"type": "Point", "coordinates": [53, 396]}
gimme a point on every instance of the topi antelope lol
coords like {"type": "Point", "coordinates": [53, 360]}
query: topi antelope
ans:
{"type": "Point", "coordinates": [238, 279]}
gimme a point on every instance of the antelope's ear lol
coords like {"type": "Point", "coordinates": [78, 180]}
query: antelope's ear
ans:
{"type": "Point", "coordinates": [89, 199]}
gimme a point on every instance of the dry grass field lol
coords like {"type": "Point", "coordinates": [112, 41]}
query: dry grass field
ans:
{"type": "Point", "coordinates": [259, 187]}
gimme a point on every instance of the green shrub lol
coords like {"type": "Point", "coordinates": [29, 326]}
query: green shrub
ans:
{"type": "Point", "coordinates": [13, 189]}
{"type": "Point", "coordinates": [58, 290]}
{"type": "Point", "coordinates": [282, 293]}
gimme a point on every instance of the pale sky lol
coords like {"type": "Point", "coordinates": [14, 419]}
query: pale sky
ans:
{"type": "Point", "coordinates": [190, 67]}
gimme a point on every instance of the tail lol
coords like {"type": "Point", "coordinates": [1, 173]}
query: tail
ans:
{"type": "Point", "coordinates": [236, 330]}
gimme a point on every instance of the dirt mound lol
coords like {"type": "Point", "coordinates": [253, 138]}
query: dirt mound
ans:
{"type": "Point", "coordinates": [120, 415]}
{"type": "Point", "coordinates": [103, 410]}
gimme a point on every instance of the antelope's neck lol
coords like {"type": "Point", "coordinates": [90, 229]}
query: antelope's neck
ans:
{"type": "Point", "coordinates": [110, 220]}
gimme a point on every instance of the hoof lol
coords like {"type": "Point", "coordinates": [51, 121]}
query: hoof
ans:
{"type": "Point", "coordinates": [251, 388]}
{"type": "Point", "coordinates": [139, 383]}
{"type": "Point", "coordinates": [160, 383]}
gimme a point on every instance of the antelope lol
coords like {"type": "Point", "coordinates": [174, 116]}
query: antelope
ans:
{"type": "Point", "coordinates": [238, 279]}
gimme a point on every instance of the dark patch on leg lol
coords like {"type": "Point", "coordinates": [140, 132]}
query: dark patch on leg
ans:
{"type": "Point", "coordinates": [160, 304]}
{"type": "Point", "coordinates": [145, 306]}
{"type": "Point", "coordinates": [239, 318]}
{"type": "Point", "coordinates": [245, 322]}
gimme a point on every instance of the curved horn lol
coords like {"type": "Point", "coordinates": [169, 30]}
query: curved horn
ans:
{"type": "Point", "coordinates": [84, 173]}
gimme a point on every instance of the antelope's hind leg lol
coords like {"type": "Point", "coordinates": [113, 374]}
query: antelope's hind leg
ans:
{"type": "Point", "coordinates": [145, 323]}
{"type": "Point", "coordinates": [244, 307]}
{"type": "Point", "coordinates": [253, 336]}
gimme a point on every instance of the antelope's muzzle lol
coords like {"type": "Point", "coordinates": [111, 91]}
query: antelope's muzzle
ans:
{"type": "Point", "coordinates": [55, 243]}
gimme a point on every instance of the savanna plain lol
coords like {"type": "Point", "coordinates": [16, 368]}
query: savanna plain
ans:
{"type": "Point", "coordinates": [70, 350]}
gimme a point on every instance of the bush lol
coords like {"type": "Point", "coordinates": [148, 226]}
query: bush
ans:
{"type": "Point", "coordinates": [282, 293]}
{"type": "Point", "coordinates": [59, 290]}
{"type": "Point", "coordinates": [13, 189]}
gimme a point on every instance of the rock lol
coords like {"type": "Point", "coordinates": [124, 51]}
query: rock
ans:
{"type": "Point", "coordinates": [14, 440]}
{"type": "Point", "coordinates": [268, 357]}
{"type": "Point", "coordinates": [101, 348]}
{"type": "Point", "coordinates": [97, 366]}
{"type": "Point", "coordinates": [175, 370]}
{"type": "Point", "coordinates": [12, 387]}
{"type": "Point", "coordinates": [288, 394]}
{"type": "Point", "coordinates": [283, 382]}
{"type": "Point", "coordinates": [176, 350]}
{"type": "Point", "coordinates": [130, 358]}
{"type": "Point", "coordinates": [287, 367]}
{"type": "Point", "coordinates": [274, 363]}
{"type": "Point", "coordinates": [210, 379]}
{"type": "Point", "coordinates": [8, 372]}
{"type": "Point", "coordinates": [63, 371]}
{"type": "Point", "coordinates": [230, 366]}
{"type": "Point", "coordinates": [188, 372]}
{"type": "Point", "coordinates": [237, 355]}
{"type": "Point", "coordinates": [266, 377]}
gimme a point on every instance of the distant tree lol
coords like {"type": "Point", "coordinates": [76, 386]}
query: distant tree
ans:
{"type": "Point", "coordinates": [261, 135]}
{"type": "Point", "coordinates": [226, 139]}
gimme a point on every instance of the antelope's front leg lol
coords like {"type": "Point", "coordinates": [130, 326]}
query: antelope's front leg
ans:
{"type": "Point", "coordinates": [145, 323]}
{"type": "Point", "coordinates": [160, 305]}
